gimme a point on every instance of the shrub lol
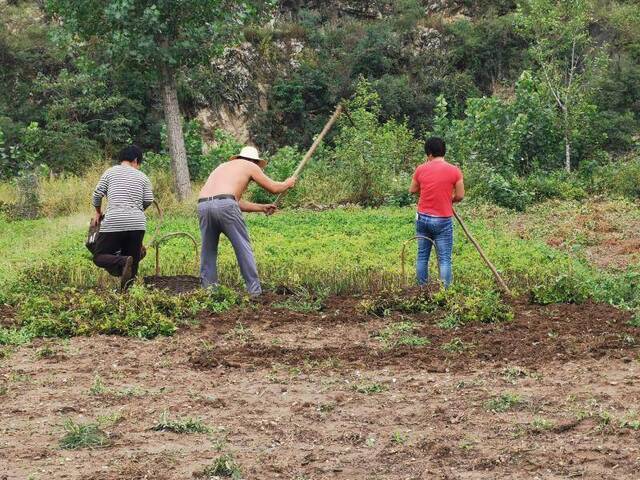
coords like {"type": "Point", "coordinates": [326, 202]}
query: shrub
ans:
{"type": "Point", "coordinates": [562, 288]}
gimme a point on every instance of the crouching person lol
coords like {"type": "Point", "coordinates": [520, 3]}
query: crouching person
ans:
{"type": "Point", "coordinates": [219, 211]}
{"type": "Point", "coordinates": [118, 247]}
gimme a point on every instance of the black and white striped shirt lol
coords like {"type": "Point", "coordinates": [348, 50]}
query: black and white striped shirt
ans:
{"type": "Point", "coordinates": [128, 193]}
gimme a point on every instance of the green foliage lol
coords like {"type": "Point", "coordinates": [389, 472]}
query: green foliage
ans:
{"type": "Point", "coordinates": [510, 135]}
{"type": "Point", "coordinates": [619, 178]}
{"type": "Point", "coordinates": [141, 313]}
{"type": "Point", "coordinates": [369, 155]}
{"type": "Point", "coordinates": [568, 287]}
{"type": "Point", "coordinates": [79, 435]}
{"type": "Point", "coordinates": [569, 62]}
{"type": "Point", "coordinates": [180, 425]}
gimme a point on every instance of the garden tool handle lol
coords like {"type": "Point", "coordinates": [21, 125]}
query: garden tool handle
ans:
{"type": "Point", "coordinates": [493, 269]}
{"type": "Point", "coordinates": [314, 147]}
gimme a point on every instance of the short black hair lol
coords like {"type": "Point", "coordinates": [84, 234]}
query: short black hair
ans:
{"type": "Point", "coordinates": [435, 146]}
{"type": "Point", "coordinates": [132, 153]}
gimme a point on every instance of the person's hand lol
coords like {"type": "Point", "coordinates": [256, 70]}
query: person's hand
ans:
{"type": "Point", "coordinates": [291, 182]}
{"type": "Point", "coordinates": [97, 218]}
{"type": "Point", "coordinates": [269, 209]}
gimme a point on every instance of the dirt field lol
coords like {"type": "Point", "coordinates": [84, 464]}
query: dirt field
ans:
{"type": "Point", "coordinates": [327, 396]}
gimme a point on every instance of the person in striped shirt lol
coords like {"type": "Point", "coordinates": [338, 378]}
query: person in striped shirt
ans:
{"type": "Point", "coordinates": [128, 191]}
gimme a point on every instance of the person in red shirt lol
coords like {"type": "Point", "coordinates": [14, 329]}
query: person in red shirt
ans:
{"type": "Point", "coordinates": [439, 185]}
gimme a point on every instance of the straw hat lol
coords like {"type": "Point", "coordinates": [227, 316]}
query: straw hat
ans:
{"type": "Point", "coordinates": [251, 154]}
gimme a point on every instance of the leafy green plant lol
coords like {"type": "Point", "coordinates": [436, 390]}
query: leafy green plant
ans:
{"type": "Point", "coordinates": [87, 435]}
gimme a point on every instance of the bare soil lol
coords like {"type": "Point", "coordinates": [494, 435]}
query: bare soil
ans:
{"type": "Point", "coordinates": [320, 396]}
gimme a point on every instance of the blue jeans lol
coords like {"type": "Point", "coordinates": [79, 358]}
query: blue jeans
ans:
{"type": "Point", "coordinates": [440, 230]}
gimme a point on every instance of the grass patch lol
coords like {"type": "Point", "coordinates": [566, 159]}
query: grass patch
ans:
{"type": "Point", "coordinates": [224, 466]}
{"type": "Point", "coordinates": [504, 402]}
{"type": "Point", "coordinates": [180, 425]}
{"type": "Point", "coordinates": [79, 435]}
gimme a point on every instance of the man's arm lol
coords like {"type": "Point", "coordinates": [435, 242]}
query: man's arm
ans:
{"type": "Point", "coordinates": [246, 206]}
{"type": "Point", "coordinates": [415, 186]}
{"type": "Point", "coordinates": [458, 191]}
{"type": "Point", "coordinates": [271, 186]}
{"type": "Point", "coordinates": [147, 194]}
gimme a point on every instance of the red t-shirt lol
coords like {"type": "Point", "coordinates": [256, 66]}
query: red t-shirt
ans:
{"type": "Point", "coordinates": [436, 179]}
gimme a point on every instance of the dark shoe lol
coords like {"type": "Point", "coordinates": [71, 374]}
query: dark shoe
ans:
{"type": "Point", "coordinates": [127, 274]}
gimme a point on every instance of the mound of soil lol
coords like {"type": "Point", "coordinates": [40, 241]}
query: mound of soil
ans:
{"type": "Point", "coordinates": [176, 284]}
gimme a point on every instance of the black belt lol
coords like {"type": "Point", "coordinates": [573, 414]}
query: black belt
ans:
{"type": "Point", "coordinates": [217, 197]}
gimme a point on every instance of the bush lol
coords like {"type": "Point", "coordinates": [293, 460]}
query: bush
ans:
{"type": "Point", "coordinates": [563, 288]}
{"type": "Point", "coordinates": [619, 178]}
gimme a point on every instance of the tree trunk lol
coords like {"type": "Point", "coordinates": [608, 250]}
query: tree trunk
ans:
{"type": "Point", "coordinates": [175, 137]}
{"type": "Point", "coordinates": [567, 154]}
{"type": "Point", "coordinates": [567, 140]}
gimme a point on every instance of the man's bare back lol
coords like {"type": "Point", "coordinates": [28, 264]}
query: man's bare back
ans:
{"type": "Point", "coordinates": [233, 177]}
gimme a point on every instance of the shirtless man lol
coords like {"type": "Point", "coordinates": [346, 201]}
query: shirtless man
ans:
{"type": "Point", "coordinates": [219, 209]}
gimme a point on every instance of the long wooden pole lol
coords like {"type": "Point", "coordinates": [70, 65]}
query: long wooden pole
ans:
{"type": "Point", "coordinates": [499, 279]}
{"type": "Point", "coordinates": [314, 147]}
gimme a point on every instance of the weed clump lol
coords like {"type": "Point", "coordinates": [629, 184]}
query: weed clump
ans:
{"type": "Point", "coordinates": [305, 301]}
{"type": "Point", "coordinates": [504, 402]}
{"type": "Point", "coordinates": [180, 425]}
{"type": "Point", "coordinates": [401, 333]}
{"type": "Point", "coordinates": [83, 436]}
{"type": "Point", "coordinates": [421, 301]}
{"type": "Point", "coordinates": [224, 466]}
{"type": "Point", "coordinates": [370, 388]}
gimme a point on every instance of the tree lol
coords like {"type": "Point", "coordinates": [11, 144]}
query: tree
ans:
{"type": "Point", "coordinates": [163, 37]}
{"type": "Point", "coordinates": [566, 56]}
